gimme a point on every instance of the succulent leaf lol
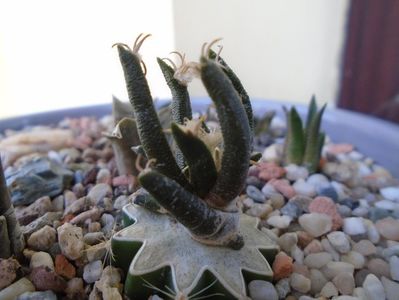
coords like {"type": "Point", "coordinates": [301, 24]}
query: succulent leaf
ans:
{"type": "Point", "coordinates": [149, 127]}
{"type": "Point", "coordinates": [313, 140]}
{"type": "Point", "coordinates": [199, 160]}
{"type": "Point", "coordinates": [294, 147]}
{"type": "Point", "coordinates": [123, 139]}
{"type": "Point", "coordinates": [246, 102]}
{"type": "Point", "coordinates": [181, 107]}
{"type": "Point", "coordinates": [235, 130]}
{"type": "Point", "coordinates": [312, 111]}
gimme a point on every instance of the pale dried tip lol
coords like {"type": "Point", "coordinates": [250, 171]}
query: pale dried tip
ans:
{"type": "Point", "coordinates": [150, 163]}
{"type": "Point", "coordinates": [181, 56]}
{"type": "Point", "coordinates": [144, 67]}
{"type": "Point", "coordinates": [206, 48]}
{"type": "Point", "coordinates": [121, 45]}
{"type": "Point", "coordinates": [139, 41]}
{"type": "Point", "coordinates": [174, 67]}
{"type": "Point", "coordinates": [137, 162]}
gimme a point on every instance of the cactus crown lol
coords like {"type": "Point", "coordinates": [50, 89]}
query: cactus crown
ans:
{"type": "Point", "coordinates": [198, 184]}
{"type": "Point", "coordinates": [303, 145]}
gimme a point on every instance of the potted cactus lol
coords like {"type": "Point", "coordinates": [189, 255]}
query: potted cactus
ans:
{"type": "Point", "coordinates": [185, 236]}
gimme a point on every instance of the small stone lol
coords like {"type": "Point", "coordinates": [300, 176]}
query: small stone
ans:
{"type": "Point", "coordinates": [17, 288]}
{"type": "Point", "coordinates": [354, 226]}
{"type": "Point", "coordinates": [47, 219]}
{"type": "Point", "coordinates": [259, 210]}
{"type": "Point", "coordinates": [315, 223]}
{"type": "Point", "coordinates": [70, 238]}
{"type": "Point", "coordinates": [260, 290]}
{"type": "Point", "coordinates": [317, 260]}
{"type": "Point", "coordinates": [386, 204]}
{"type": "Point", "coordinates": [373, 288]}
{"type": "Point", "coordinates": [373, 234]}
{"type": "Point", "coordinates": [58, 203]}
{"type": "Point", "coordinates": [339, 241]}
{"type": "Point", "coordinates": [255, 194]}
{"type": "Point", "coordinates": [273, 153]}
{"type": "Point", "coordinates": [329, 192]}
{"type": "Point", "coordinates": [41, 259]}
{"type": "Point", "coordinates": [37, 178]}
{"type": "Point", "coordinates": [394, 267]}
{"type": "Point", "coordinates": [329, 290]}
{"type": "Point", "coordinates": [318, 180]}
{"type": "Point", "coordinates": [103, 176]}
{"type": "Point", "coordinates": [287, 241]}
{"type": "Point", "coordinates": [8, 271]}
{"type": "Point", "coordinates": [291, 209]}
{"type": "Point", "coordinates": [333, 268]}
{"type": "Point", "coordinates": [390, 251]}
{"type": "Point", "coordinates": [42, 239]}
{"type": "Point", "coordinates": [388, 228]}
{"type": "Point", "coordinates": [391, 288]}
{"type": "Point", "coordinates": [283, 187]}
{"type": "Point", "coordinates": [354, 258]}
{"type": "Point", "coordinates": [295, 172]}
{"type": "Point", "coordinates": [277, 201]}
{"type": "Point", "coordinates": [46, 295]}
{"type": "Point", "coordinates": [365, 247]}
{"type": "Point", "coordinates": [360, 276]}
{"type": "Point", "coordinates": [330, 249]}
{"type": "Point", "coordinates": [317, 281]}
{"type": "Point", "coordinates": [282, 266]}
{"type": "Point", "coordinates": [92, 271]}
{"type": "Point", "coordinates": [302, 202]}
{"type": "Point", "coordinates": [339, 148]}
{"type": "Point", "coordinates": [300, 283]}
{"type": "Point", "coordinates": [99, 192]}
{"type": "Point", "coordinates": [314, 246]}
{"type": "Point", "coordinates": [121, 201]}
{"type": "Point", "coordinates": [378, 267]}
{"type": "Point", "coordinates": [96, 252]}
{"type": "Point", "coordinates": [283, 288]}
{"type": "Point", "coordinates": [92, 238]}
{"type": "Point", "coordinates": [268, 190]}
{"type": "Point", "coordinates": [376, 213]}
{"type": "Point", "coordinates": [297, 254]}
{"type": "Point", "coordinates": [93, 214]}
{"type": "Point", "coordinates": [268, 171]}
{"type": "Point", "coordinates": [304, 188]}
{"type": "Point", "coordinates": [43, 278]}
{"type": "Point", "coordinates": [345, 283]}
{"type": "Point", "coordinates": [75, 289]}
{"type": "Point", "coordinates": [359, 293]}
{"type": "Point", "coordinates": [94, 227]}
{"type": "Point", "coordinates": [301, 269]}
{"type": "Point", "coordinates": [325, 205]}
{"type": "Point", "coordinates": [63, 267]}
{"type": "Point", "coordinates": [279, 221]}
{"type": "Point", "coordinates": [390, 193]}
{"type": "Point", "coordinates": [304, 238]}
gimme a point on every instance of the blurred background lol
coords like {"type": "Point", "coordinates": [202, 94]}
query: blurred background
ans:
{"type": "Point", "coordinates": [57, 54]}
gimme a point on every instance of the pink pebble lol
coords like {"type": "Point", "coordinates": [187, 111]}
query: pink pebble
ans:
{"type": "Point", "coordinates": [339, 148]}
{"type": "Point", "coordinates": [325, 205]}
{"type": "Point", "coordinates": [283, 186]}
{"type": "Point", "coordinates": [270, 170]}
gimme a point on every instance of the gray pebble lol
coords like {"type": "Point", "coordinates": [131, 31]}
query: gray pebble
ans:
{"type": "Point", "coordinates": [255, 194]}
{"type": "Point", "coordinates": [260, 290]}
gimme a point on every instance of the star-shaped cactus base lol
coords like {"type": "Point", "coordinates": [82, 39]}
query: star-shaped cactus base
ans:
{"type": "Point", "coordinates": [156, 251]}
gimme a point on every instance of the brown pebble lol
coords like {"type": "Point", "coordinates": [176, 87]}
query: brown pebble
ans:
{"type": "Point", "coordinates": [282, 266]}
{"type": "Point", "coordinates": [63, 267]}
{"type": "Point", "coordinates": [43, 278]}
{"type": "Point", "coordinates": [304, 238]}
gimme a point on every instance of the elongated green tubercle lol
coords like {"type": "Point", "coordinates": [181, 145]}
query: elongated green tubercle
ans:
{"type": "Point", "coordinates": [149, 127]}
{"type": "Point", "coordinates": [313, 142]}
{"type": "Point", "coordinates": [236, 133]}
{"type": "Point", "coordinates": [181, 107]}
{"type": "Point", "coordinates": [246, 102]}
{"type": "Point", "coordinates": [295, 139]}
{"type": "Point", "coordinates": [199, 160]}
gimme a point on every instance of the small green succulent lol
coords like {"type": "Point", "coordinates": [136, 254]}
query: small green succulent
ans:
{"type": "Point", "coordinates": [197, 185]}
{"type": "Point", "coordinates": [303, 145]}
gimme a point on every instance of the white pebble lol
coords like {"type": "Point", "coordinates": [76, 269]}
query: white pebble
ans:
{"type": "Point", "coordinates": [339, 241]}
{"type": "Point", "coordinates": [70, 239]}
{"type": "Point", "coordinates": [300, 283]}
{"type": "Point", "coordinates": [279, 221]}
{"type": "Point", "coordinates": [315, 224]}
{"type": "Point", "coordinates": [295, 172]}
{"type": "Point", "coordinates": [390, 193]}
{"type": "Point", "coordinates": [394, 267]}
{"type": "Point", "coordinates": [92, 271]}
{"type": "Point", "coordinates": [354, 226]}
{"type": "Point", "coordinates": [373, 288]}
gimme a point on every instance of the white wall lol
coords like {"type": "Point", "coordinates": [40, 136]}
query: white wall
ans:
{"type": "Point", "coordinates": [285, 50]}
{"type": "Point", "coordinates": [56, 54]}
